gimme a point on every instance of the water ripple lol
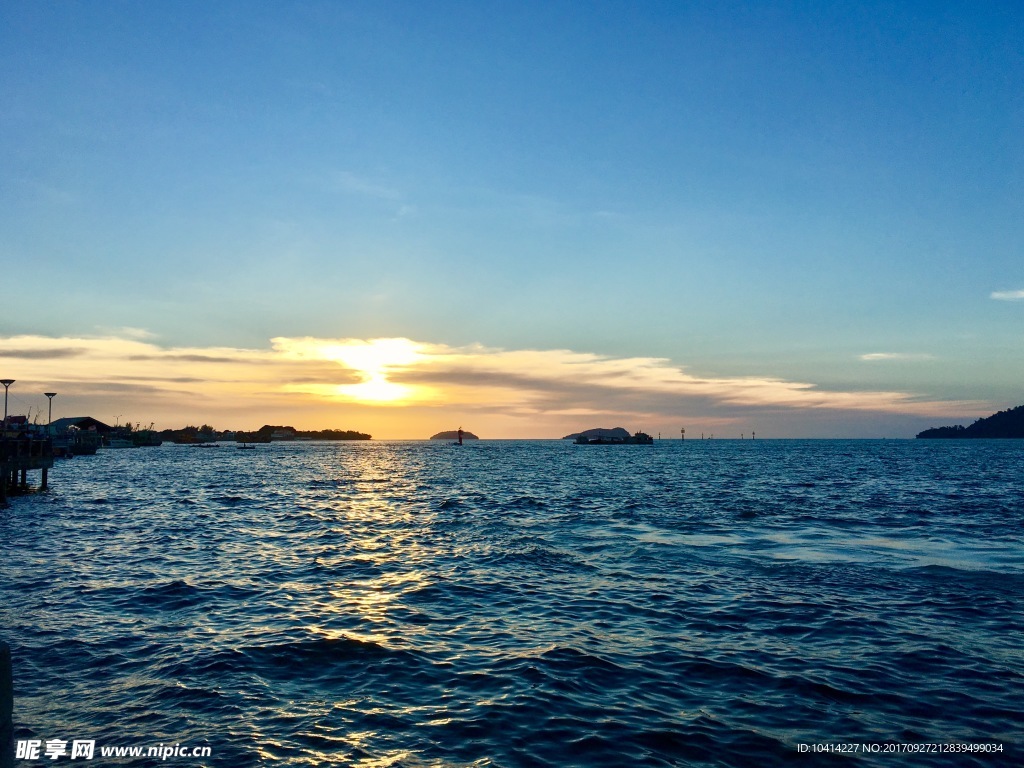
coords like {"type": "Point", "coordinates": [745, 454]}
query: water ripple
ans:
{"type": "Point", "coordinates": [523, 603]}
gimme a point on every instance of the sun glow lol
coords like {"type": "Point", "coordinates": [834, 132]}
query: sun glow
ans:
{"type": "Point", "coordinates": [373, 360]}
{"type": "Point", "coordinates": [376, 389]}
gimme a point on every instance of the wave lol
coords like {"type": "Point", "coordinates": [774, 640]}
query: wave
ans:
{"type": "Point", "coordinates": [700, 604]}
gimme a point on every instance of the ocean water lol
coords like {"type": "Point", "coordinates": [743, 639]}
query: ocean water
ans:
{"type": "Point", "coordinates": [524, 603]}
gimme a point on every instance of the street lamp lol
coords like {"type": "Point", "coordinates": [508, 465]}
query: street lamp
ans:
{"type": "Point", "coordinates": [7, 383]}
{"type": "Point", "coordinates": [49, 417]}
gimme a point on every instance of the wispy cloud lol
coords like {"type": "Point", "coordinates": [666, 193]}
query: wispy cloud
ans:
{"type": "Point", "coordinates": [904, 356]}
{"type": "Point", "coordinates": [43, 354]}
{"type": "Point", "coordinates": [559, 380]}
{"type": "Point", "coordinates": [563, 379]}
{"type": "Point", "coordinates": [188, 358]}
{"type": "Point", "coordinates": [125, 332]}
{"type": "Point", "coordinates": [346, 181]}
{"type": "Point", "coordinates": [317, 375]}
{"type": "Point", "coordinates": [1007, 295]}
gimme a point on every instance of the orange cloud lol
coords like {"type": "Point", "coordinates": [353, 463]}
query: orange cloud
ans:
{"type": "Point", "coordinates": [363, 379]}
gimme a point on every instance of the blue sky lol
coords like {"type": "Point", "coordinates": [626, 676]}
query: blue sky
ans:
{"type": "Point", "coordinates": [816, 193]}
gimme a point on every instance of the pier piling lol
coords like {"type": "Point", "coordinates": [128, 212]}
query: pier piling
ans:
{"type": "Point", "coordinates": [19, 456]}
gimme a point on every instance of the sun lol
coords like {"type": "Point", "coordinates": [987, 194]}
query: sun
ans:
{"type": "Point", "coordinates": [376, 389]}
{"type": "Point", "coordinates": [374, 360]}
{"type": "Point", "coordinates": [371, 363]}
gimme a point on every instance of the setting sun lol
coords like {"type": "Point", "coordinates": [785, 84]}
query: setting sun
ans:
{"type": "Point", "coordinates": [376, 389]}
{"type": "Point", "coordinates": [374, 360]}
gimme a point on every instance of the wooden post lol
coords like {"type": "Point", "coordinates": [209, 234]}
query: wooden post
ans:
{"type": "Point", "coordinates": [42, 485]}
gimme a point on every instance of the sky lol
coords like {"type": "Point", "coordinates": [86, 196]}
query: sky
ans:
{"type": "Point", "coordinates": [800, 219]}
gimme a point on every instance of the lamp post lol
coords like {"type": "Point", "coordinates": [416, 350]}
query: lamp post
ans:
{"type": "Point", "coordinates": [49, 416]}
{"type": "Point", "coordinates": [7, 383]}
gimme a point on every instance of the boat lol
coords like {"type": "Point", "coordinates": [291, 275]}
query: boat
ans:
{"type": "Point", "coordinates": [119, 442]}
{"type": "Point", "coordinates": [147, 438]}
{"type": "Point", "coordinates": [616, 436]}
{"type": "Point", "coordinates": [76, 442]}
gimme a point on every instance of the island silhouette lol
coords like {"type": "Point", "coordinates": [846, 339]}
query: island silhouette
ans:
{"type": "Point", "coordinates": [615, 436]}
{"type": "Point", "coordinates": [266, 433]}
{"type": "Point", "coordinates": [453, 434]}
{"type": "Point", "coordinates": [1004, 424]}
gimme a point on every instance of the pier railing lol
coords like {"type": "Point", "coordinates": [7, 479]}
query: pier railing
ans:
{"type": "Point", "coordinates": [26, 452]}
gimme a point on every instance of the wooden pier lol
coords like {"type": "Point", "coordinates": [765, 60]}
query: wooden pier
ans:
{"type": "Point", "coordinates": [18, 457]}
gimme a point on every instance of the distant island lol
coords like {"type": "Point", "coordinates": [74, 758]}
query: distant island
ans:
{"type": "Point", "coordinates": [265, 434]}
{"type": "Point", "coordinates": [616, 436]}
{"type": "Point", "coordinates": [454, 435]}
{"type": "Point", "coordinates": [270, 432]}
{"type": "Point", "coordinates": [1005, 424]}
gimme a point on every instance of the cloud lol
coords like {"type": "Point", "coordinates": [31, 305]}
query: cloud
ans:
{"type": "Point", "coordinates": [318, 376]}
{"type": "Point", "coordinates": [346, 181]}
{"type": "Point", "coordinates": [1007, 295]}
{"type": "Point", "coordinates": [43, 354]}
{"type": "Point", "coordinates": [189, 358]}
{"type": "Point", "coordinates": [126, 332]}
{"type": "Point", "coordinates": [908, 356]}
{"type": "Point", "coordinates": [559, 378]}
{"type": "Point", "coordinates": [555, 380]}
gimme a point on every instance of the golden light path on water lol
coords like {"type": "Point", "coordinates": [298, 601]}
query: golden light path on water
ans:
{"type": "Point", "coordinates": [374, 599]}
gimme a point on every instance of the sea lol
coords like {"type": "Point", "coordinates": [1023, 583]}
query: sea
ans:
{"type": "Point", "coordinates": [521, 603]}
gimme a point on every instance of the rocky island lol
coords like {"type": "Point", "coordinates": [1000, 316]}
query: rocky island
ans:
{"type": "Point", "coordinates": [454, 435]}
